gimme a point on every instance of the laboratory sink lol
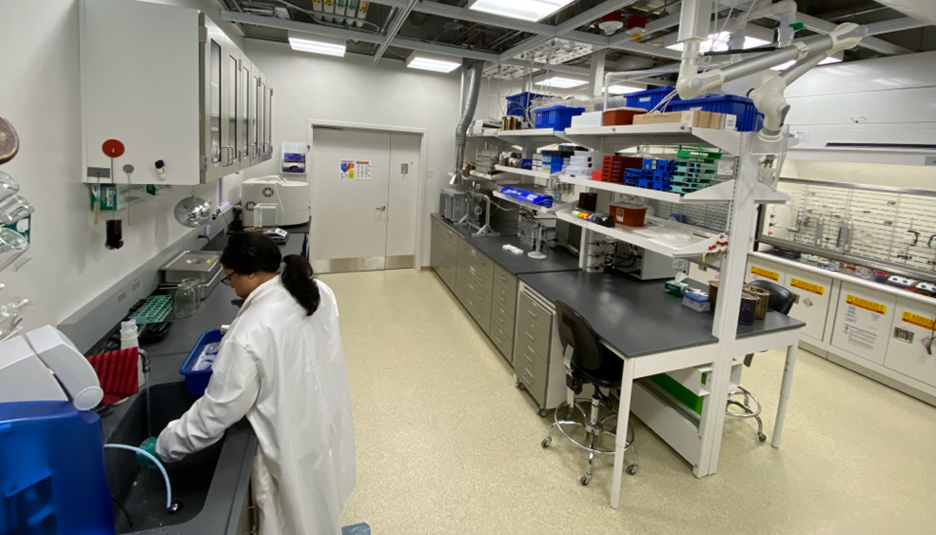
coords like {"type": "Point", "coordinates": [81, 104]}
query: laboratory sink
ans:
{"type": "Point", "coordinates": [139, 494]}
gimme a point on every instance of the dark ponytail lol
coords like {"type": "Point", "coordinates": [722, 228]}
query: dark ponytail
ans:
{"type": "Point", "coordinates": [249, 252]}
{"type": "Point", "coordinates": [297, 278]}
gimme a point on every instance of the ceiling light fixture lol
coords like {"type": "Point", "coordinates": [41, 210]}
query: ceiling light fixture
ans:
{"type": "Point", "coordinates": [318, 45]}
{"type": "Point", "coordinates": [826, 61]}
{"type": "Point", "coordinates": [531, 10]}
{"type": "Point", "coordinates": [428, 62]}
{"type": "Point", "coordinates": [623, 89]}
{"type": "Point", "coordinates": [722, 39]}
{"type": "Point", "coordinates": [560, 82]}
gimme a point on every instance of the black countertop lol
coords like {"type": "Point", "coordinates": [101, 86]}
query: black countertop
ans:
{"type": "Point", "coordinates": [557, 258]}
{"type": "Point", "coordinates": [637, 318]}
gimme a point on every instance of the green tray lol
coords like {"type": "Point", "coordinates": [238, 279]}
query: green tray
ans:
{"type": "Point", "coordinates": [155, 310]}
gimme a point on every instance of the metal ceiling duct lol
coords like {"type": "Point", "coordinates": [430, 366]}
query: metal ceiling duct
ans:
{"type": "Point", "coordinates": [922, 10]}
{"type": "Point", "coordinates": [471, 104]}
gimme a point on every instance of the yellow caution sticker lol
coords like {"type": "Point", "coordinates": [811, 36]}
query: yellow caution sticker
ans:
{"type": "Point", "coordinates": [866, 304]}
{"type": "Point", "coordinates": [808, 286]}
{"type": "Point", "coordinates": [919, 321]}
{"type": "Point", "coordinates": [765, 273]}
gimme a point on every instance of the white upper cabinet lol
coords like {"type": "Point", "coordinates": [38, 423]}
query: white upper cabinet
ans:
{"type": "Point", "coordinates": [169, 84]}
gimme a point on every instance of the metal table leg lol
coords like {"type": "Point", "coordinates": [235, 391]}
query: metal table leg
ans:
{"type": "Point", "coordinates": [624, 404]}
{"type": "Point", "coordinates": [784, 394]}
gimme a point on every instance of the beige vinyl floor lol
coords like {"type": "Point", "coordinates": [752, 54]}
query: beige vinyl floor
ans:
{"type": "Point", "coordinates": [447, 445]}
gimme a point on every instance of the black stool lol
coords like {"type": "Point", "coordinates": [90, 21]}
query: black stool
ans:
{"type": "Point", "coordinates": [588, 361]}
{"type": "Point", "coordinates": [781, 300]}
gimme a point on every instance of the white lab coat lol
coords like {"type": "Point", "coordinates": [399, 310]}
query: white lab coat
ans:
{"type": "Point", "coordinates": [285, 372]}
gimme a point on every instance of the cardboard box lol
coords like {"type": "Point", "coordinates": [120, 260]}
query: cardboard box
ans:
{"type": "Point", "coordinates": [697, 118]}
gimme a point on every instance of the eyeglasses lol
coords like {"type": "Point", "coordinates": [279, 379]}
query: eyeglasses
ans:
{"type": "Point", "coordinates": [227, 280]}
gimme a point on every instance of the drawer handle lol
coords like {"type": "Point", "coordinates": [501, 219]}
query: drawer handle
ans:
{"type": "Point", "coordinates": [527, 381]}
{"type": "Point", "coordinates": [527, 356]}
{"type": "Point", "coordinates": [498, 340]}
{"type": "Point", "coordinates": [530, 312]}
{"type": "Point", "coordinates": [530, 336]}
{"type": "Point", "coordinates": [499, 319]}
{"type": "Point", "coordinates": [503, 278]}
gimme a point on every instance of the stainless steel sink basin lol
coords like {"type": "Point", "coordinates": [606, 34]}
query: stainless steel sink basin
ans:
{"type": "Point", "coordinates": [206, 485]}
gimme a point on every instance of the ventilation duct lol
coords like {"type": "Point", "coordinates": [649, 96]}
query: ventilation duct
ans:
{"type": "Point", "coordinates": [461, 131]}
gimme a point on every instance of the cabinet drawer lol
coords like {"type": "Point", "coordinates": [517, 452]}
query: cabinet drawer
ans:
{"type": "Point", "coordinates": [448, 247]}
{"type": "Point", "coordinates": [481, 298]}
{"type": "Point", "coordinates": [474, 307]}
{"type": "Point", "coordinates": [505, 279]}
{"type": "Point", "coordinates": [502, 320]}
{"type": "Point", "coordinates": [533, 386]}
{"type": "Point", "coordinates": [532, 311]}
{"type": "Point", "coordinates": [483, 280]}
{"type": "Point", "coordinates": [529, 336]}
{"type": "Point", "coordinates": [476, 258]}
{"type": "Point", "coordinates": [502, 340]}
{"type": "Point", "coordinates": [446, 233]}
{"type": "Point", "coordinates": [505, 298]}
{"type": "Point", "coordinates": [526, 358]}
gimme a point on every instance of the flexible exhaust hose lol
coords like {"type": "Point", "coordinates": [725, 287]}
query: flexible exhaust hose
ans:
{"type": "Point", "coordinates": [471, 104]}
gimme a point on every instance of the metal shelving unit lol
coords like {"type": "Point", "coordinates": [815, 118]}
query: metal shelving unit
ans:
{"type": "Point", "coordinates": [526, 172]}
{"type": "Point", "coordinates": [719, 193]}
{"type": "Point", "coordinates": [659, 236]}
{"type": "Point", "coordinates": [555, 209]}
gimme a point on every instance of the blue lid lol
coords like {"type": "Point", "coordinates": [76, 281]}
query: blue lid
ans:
{"type": "Point", "coordinates": [559, 108]}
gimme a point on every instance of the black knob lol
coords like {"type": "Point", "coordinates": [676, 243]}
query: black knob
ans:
{"type": "Point", "coordinates": [160, 164]}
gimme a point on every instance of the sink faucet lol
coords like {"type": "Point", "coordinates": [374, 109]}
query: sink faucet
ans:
{"type": "Point", "coordinates": [144, 359]}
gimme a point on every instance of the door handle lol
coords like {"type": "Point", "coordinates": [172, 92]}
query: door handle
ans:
{"type": "Point", "coordinates": [382, 207]}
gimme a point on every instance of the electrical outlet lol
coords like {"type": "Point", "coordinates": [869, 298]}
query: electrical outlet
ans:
{"type": "Point", "coordinates": [135, 285]}
{"type": "Point", "coordinates": [207, 231]}
{"type": "Point", "coordinates": [121, 295]}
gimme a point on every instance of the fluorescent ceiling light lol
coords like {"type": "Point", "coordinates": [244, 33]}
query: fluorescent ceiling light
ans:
{"type": "Point", "coordinates": [622, 89]}
{"type": "Point", "coordinates": [318, 45]}
{"type": "Point", "coordinates": [426, 62]}
{"type": "Point", "coordinates": [722, 38]}
{"type": "Point", "coordinates": [532, 10]}
{"type": "Point", "coordinates": [560, 82]}
{"type": "Point", "coordinates": [831, 59]}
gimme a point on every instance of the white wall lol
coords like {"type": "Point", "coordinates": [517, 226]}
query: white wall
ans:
{"type": "Point", "coordinates": [40, 97]}
{"type": "Point", "coordinates": [353, 89]}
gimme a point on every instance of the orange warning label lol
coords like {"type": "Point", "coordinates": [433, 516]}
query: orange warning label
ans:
{"type": "Point", "coordinates": [919, 321]}
{"type": "Point", "coordinates": [765, 273]}
{"type": "Point", "coordinates": [808, 286]}
{"type": "Point", "coordinates": [866, 304]}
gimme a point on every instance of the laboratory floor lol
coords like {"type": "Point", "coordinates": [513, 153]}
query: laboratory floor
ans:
{"type": "Point", "coordinates": [447, 445]}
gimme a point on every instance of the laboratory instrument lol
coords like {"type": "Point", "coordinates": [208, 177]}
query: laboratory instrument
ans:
{"type": "Point", "coordinates": [9, 141]}
{"type": "Point", "coordinates": [193, 211]}
{"type": "Point", "coordinates": [290, 198]}
{"type": "Point", "coordinates": [201, 265]}
{"type": "Point", "coordinates": [453, 204]}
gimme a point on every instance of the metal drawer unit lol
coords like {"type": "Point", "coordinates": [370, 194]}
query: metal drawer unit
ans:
{"type": "Point", "coordinates": [447, 233]}
{"type": "Point", "coordinates": [476, 258]}
{"type": "Point", "coordinates": [474, 307]}
{"type": "Point", "coordinates": [535, 313]}
{"type": "Point", "coordinates": [531, 347]}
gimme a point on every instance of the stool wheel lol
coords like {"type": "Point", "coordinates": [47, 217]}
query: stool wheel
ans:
{"type": "Point", "coordinates": [546, 442]}
{"type": "Point", "coordinates": [632, 469]}
{"type": "Point", "coordinates": [586, 479]}
{"type": "Point", "coordinates": [762, 437]}
{"type": "Point", "coordinates": [520, 386]}
{"type": "Point", "coordinates": [543, 413]}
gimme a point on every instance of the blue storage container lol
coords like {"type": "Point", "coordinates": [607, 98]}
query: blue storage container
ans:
{"type": "Point", "coordinates": [518, 104]}
{"type": "Point", "coordinates": [650, 98]}
{"type": "Point", "coordinates": [557, 117]}
{"type": "Point", "coordinates": [749, 120]}
{"type": "Point", "coordinates": [196, 381]}
{"type": "Point", "coordinates": [52, 471]}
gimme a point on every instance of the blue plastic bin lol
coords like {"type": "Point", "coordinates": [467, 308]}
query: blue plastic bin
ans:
{"type": "Point", "coordinates": [517, 104]}
{"type": "Point", "coordinates": [197, 381]}
{"type": "Point", "coordinates": [557, 117]}
{"type": "Point", "coordinates": [650, 98]}
{"type": "Point", "coordinates": [749, 120]}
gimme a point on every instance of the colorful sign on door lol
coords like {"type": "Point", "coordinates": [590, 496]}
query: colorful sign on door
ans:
{"type": "Point", "coordinates": [355, 169]}
{"type": "Point", "coordinates": [808, 286]}
{"type": "Point", "coordinates": [765, 273]}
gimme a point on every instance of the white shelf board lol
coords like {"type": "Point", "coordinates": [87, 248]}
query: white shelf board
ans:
{"type": "Point", "coordinates": [654, 134]}
{"type": "Point", "coordinates": [697, 245]}
{"type": "Point", "coordinates": [525, 172]}
{"type": "Point", "coordinates": [545, 136]}
{"type": "Point", "coordinates": [719, 193]}
{"type": "Point", "coordinates": [535, 207]}
{"type": "Point", "coordinates": [480, 175]}
{"type": "Point", "coordinates": [486, 134]}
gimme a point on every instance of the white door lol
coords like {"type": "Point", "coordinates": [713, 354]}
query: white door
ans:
{"type": "Point", "coordinates": [364, 197]}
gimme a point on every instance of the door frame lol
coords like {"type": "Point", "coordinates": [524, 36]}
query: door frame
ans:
{"type": "Point", "coordinates": [420, 180]}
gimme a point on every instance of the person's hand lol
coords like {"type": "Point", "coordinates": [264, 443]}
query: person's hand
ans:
{"type": "Point", "coordinates": [149, 446]}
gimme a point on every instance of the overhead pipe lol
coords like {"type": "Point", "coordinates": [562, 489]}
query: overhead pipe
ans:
{"type": "Point", "coordinates": [471, 104]}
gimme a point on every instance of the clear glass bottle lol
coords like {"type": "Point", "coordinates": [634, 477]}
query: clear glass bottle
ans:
{"type": "Point", "coordinates": [186, 298]}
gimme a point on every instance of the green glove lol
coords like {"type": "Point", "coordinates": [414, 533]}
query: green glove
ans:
{"type": "Point", "coordinates": [149, 446]}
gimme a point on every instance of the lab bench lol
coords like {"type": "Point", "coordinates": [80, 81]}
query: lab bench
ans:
{"type": "Point", "coordinates": [224, 511]}
{"type": "Point", "coordinates": [871, 328]}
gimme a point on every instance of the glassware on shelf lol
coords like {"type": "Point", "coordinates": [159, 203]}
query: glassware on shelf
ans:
{"type": "Point", "coordinates": [10, 316]}
{"type": "Point", "coordinates": [8, 186]}
{"type": "Point", "coordinates": [186, 298]}
{"type": "Point", "coordinates": [13, 209]}
{"type": "Point", "coordinates": [12, 245]}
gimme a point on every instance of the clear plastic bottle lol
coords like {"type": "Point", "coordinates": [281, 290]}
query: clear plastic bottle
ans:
{"type": "Point", "coordinates": [128, 338]}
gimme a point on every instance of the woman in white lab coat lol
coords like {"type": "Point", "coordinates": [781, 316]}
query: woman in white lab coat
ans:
{"type": "Point", "coordinates": [281, 366]}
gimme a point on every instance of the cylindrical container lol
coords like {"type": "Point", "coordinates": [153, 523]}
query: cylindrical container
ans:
{"type": "Point", "coordinates": [186, 298]}
{"type": "Point", "coordinates": [621, 116]}
{"type": "Point", "coordinates": [748, 307]}
{"type": "Point", "coordinates": [13, 209]}
{"type": "Point", "coordinates": [8, 186]}
{"type": "Point", "coordinates": [129, 338]}
{"type": "Point", "coordinates": [763, 301]}
{"type": "Point", "coordinates": [12, 245]}
{"type": "Point", "coordinates": [880, 276]}
{"type": "Point", "coordinates": [712, 294]}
